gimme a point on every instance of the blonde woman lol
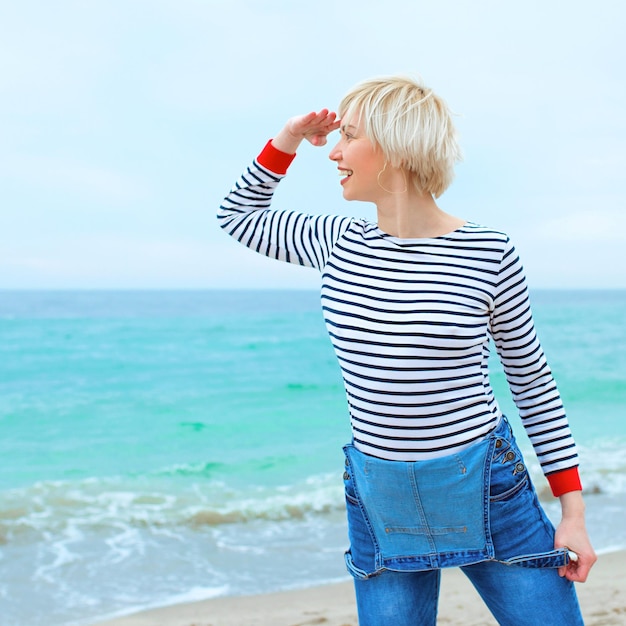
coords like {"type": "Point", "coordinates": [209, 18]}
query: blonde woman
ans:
{"type": "Point", "coordinates": [433, 476]}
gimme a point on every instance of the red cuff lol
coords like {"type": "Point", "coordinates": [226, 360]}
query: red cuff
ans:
{"type": "Point", "coordinates": [275, 160]}
{"type": "Point", "coordinates": [564, 481]}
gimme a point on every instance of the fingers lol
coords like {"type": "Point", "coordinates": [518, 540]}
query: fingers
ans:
{"type": "Point", "coordinates": [322, 117]}
{"type": "Point", "coordinates": [321, 138]}
{"type": "Point", "coordinates": [327, 123]}
{"type": "Point", "coordinates": [578, 570]}
{"type": "Point", "coordinates": [322, 123]}
{"type": "Point", "coordinates": [575, 571]}
{"type": "Point", "coordinates": [314, 126]}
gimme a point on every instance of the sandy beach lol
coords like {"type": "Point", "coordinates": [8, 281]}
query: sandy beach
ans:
{"type": "Point", "coordinates": [603, 601]}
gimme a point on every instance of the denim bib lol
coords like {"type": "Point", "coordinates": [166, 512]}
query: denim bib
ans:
{"type": "Point", "coordinates": [422, 515]}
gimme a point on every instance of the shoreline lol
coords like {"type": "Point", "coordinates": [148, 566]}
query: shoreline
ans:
{"type": "Point", "coordinates": [602, 599]}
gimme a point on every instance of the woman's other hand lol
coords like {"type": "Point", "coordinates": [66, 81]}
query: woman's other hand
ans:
{"type": "Point", "coordinates": [571, 533]}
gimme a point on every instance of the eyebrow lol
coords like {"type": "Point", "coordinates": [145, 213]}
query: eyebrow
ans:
{"type": "Point", "coordinates": [347, 126]}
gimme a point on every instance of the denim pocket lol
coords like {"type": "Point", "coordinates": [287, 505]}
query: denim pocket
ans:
{"type": "Point", "coordinates": [509, 474]}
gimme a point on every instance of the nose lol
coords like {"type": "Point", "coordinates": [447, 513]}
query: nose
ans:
{"type": "Point", "coordinates": [335, 153]}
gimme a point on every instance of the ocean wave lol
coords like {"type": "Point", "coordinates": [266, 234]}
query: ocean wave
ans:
{"type": "Point", "coordinates": [603, 467]}
{"type": "Point", "coordinates": [60, 507]}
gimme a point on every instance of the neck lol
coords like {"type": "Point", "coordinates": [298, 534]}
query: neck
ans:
{"type": "Point", "coordinates": [414, 216]}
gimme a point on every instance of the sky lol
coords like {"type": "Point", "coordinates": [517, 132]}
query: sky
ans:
{"type": "Point", "coordinates": [123, 124]}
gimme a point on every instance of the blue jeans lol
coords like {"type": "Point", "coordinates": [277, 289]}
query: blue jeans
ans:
{"type": "Point", "coordinates": [516, 596]}
{"type": "Point", "coordinates": [402, 528]}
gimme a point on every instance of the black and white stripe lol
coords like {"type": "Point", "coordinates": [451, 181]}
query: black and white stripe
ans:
{"type": "Point", "coordinates": [411, 322]}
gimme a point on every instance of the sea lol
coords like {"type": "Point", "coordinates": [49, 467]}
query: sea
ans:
{"type": "Point", "coordinates": [166, 446]}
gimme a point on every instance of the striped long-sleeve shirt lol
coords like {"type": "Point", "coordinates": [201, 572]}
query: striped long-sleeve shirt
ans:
{"type": "Point", "coordinates": [411, 322]}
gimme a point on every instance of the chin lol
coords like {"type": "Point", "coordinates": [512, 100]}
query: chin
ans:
{"type": "Point", "coordinates": [347, 195]}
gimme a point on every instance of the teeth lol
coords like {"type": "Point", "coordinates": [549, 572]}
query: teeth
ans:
{"type": "Point", "coordinates": [345, 172]}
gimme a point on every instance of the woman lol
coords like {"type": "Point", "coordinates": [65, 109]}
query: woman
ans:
{"type": "Point", "coordinates": [433, 475]}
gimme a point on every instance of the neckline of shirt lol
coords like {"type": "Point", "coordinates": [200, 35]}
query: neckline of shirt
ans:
{"type": "Point", "coordinates": [421, 240]}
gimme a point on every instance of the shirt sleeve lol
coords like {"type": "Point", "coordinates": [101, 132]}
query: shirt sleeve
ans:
{"type": "Point", "coordinates": [530, 379]}
{"type": "Point", "coordinates": [289, 236]}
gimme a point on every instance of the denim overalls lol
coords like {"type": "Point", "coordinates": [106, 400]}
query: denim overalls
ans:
{"type": "Point", "coordinates": [457, 510]}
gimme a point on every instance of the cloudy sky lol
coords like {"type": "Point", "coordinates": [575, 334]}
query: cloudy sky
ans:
{"type": "Point", "coordinates": [123, 123]}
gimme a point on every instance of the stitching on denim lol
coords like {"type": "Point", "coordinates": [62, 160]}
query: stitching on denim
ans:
{"type": "Point", "coordinates": [507, 495]}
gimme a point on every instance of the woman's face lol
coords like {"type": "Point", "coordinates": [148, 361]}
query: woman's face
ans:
{"type": "Point", "coordinates": [358, 162]}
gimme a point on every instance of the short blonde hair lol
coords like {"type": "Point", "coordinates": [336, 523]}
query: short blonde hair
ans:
{"type": "Point", "coordinates": [411, 125]}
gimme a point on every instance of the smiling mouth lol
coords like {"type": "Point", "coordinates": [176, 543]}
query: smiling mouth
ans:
{"type": "Point", "coordinates": [345, 174]}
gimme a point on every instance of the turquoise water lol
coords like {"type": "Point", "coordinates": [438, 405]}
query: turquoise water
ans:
{"type": "Point", "coordinates": [163, 446]}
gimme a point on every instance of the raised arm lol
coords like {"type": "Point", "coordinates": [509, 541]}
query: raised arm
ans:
{"type": "Point", "coordinates": [289, 236]}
